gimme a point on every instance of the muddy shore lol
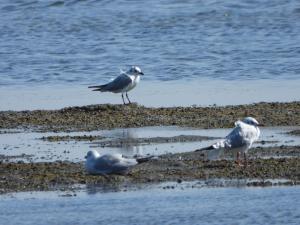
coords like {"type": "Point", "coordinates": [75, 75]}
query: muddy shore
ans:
{"type": "Point", "coordinates": [96, 117]}
{"type": "Point", "coordinates": [119, 142]}
{"type": "Point", "coordinates": [295, 132]}
{"type": "Point", "coordinates": [281, 162]}
{"type": "Point", "coordinates": [15, 177]}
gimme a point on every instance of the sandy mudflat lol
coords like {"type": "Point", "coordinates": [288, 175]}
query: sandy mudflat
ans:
{"type": "Point", "coordinates": [97, 117]}
{"type": "Point", "coordinates": [279, 162]}
{"type": "Point", "coordinates": [179, 167]}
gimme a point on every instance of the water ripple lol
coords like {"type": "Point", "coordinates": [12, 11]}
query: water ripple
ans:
{"type": "Point", "coordinates": [85, 41]}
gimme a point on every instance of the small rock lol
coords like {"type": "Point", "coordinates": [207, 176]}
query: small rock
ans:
{"type": "Point", "coordinates": [179, 181]}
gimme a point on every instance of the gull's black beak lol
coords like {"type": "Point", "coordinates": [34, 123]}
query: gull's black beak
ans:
{"type": "Point", "coordinates": [142, 73]}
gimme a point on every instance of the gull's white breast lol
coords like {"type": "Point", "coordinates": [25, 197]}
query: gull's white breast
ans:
{"type": "Point", "coordinates": [134, 81]}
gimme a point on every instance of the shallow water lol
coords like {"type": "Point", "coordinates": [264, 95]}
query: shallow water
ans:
{"type": "Point", "coordinates": [201, 92]}
{"type": "Point", "coordinates": [181, 205]}
{"type": "Point", "coordinates": [83, 42]}
{"type": "Point", "coordinates": [29, 143]}
{"type": "Point", "coordinates": [210, 49]}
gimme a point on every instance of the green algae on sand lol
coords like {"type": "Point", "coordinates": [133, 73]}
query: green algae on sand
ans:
{"type": "Point", "coordinates": [43, 176]}
{"type": "Point", "coordinates": [97, 117]}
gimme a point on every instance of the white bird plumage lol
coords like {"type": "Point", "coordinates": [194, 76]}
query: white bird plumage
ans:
{"type": "Point", "coordinates": [125, 82]}
{"type": "Point", "coordinates": [108, 163]}
{"type": "Point", "coordinates": [241, 138]}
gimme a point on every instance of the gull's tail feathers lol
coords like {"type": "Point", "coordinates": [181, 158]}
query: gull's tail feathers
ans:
{"type": "Point", "coordinates": [206, 148]}
{"type": "Point", "coordinates": [144, 159]}
{"type": "Point", "coordinates": [99, 87]}
{"type": "Point", "coordinates": [220, 144]}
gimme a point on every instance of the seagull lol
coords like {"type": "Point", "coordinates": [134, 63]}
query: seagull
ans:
{"type": "Point", "coordinates": [109, 163]}
{"type": "Point", "coordinates": [125, 82]}
{"type": "Point", "coordinates": [240, 139]}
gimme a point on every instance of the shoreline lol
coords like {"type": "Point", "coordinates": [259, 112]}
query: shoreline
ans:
{"type": "Point", "coordinates": [152, 93]}
{"type": "Point", "coordinates": [107, 116]}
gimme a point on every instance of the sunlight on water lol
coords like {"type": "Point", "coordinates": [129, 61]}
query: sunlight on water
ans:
{"type": "Point", "coordinates": [85, 42]}
{"type": "Point", "coordinates": [186, 205]}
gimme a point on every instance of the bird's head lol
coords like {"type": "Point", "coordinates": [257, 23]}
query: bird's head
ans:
{"type": "Point", "coordinates": [135, 70]}
{"type": "Point", "coordinates": [251, 121]}
{"type": "Point", "coordinates": [92, 154]}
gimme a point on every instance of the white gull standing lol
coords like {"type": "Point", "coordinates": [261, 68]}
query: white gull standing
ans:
{"type": "Point", "coordinates": [240, 139]}
{"type": "Point", "coordinates": [125, 82]}
{"type": "Point", "coordinates": [109, 163]}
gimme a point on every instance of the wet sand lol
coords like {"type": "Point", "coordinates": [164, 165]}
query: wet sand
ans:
{"type": "Point", "coordinates": [97, 117]}
{"type": "Point", "coordinates": [178, 167]}
{"type": "Point", "coordinates": [58, 138]}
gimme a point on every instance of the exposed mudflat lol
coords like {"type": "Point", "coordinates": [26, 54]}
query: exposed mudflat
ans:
{"type": "Point", "coordinates": [295, 132]}
{"type": "Point", "coordinates": [21, 157]}
{"type": "Point", "coordinates": [276, 152]}
{"type": "Point", "coordinates": [72, 138]}
{"type": "Point", "coordinates": [178, 167]}
{"type": "Point", "coordinates": [119, 142]}
{"type": "Point", "coordinates": [95, 117]}
{"type": "Point", "coordinates": [277, 162]}
{"type": "Point", "coordinates": [130, 141]}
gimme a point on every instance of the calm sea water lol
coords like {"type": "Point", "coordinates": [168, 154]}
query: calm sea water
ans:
{"type": "Point", "coordinates": [74, 43]}
{"type": "Point", "coordinates": [278, 205]}
{"type": "Point", "coordinates": [87, 41]}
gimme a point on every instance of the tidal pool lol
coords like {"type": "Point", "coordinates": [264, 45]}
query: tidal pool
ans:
{"type": "Point", "coordinates": [16, 144]}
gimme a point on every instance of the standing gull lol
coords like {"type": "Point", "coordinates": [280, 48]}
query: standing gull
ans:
{"type": "Point", "coordinates": [125, 82]}
{"type": "Point", "coordinates": [240, 139]}
{"type": "Point", "coordinates": [109, 163]}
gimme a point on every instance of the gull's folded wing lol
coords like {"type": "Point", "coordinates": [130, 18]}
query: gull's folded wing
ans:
{"type": "Point", "coordinates": [116, 85]}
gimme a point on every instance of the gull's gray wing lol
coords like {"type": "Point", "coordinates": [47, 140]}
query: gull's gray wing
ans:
{"type": "Point", "coordinates": [117, 85]}
{"type": "Point", "coordinates": [235, 138]}
{"type": "Point", "coordinates": [126, 162]}
{"type": "Point", "coordinates": [240, 138]}
{"type": "Point", "coordinates": [113, 164]}
{"type": "Point", "coordinates": [243, 134]}
{"type": "Point", "coordinates": [105, 162]}
{"type": "Point", "coordinates": [122, 166]}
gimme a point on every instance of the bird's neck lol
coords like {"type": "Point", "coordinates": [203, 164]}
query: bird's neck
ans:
{"type": "Point", "coordinates": [258, 131]}
{"type": "Point", "coordinates": [134, 78]}
{"type": "Point", "coordinates": [137, 78]}
{"type": "Point", "coordinates": [96, 156]}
